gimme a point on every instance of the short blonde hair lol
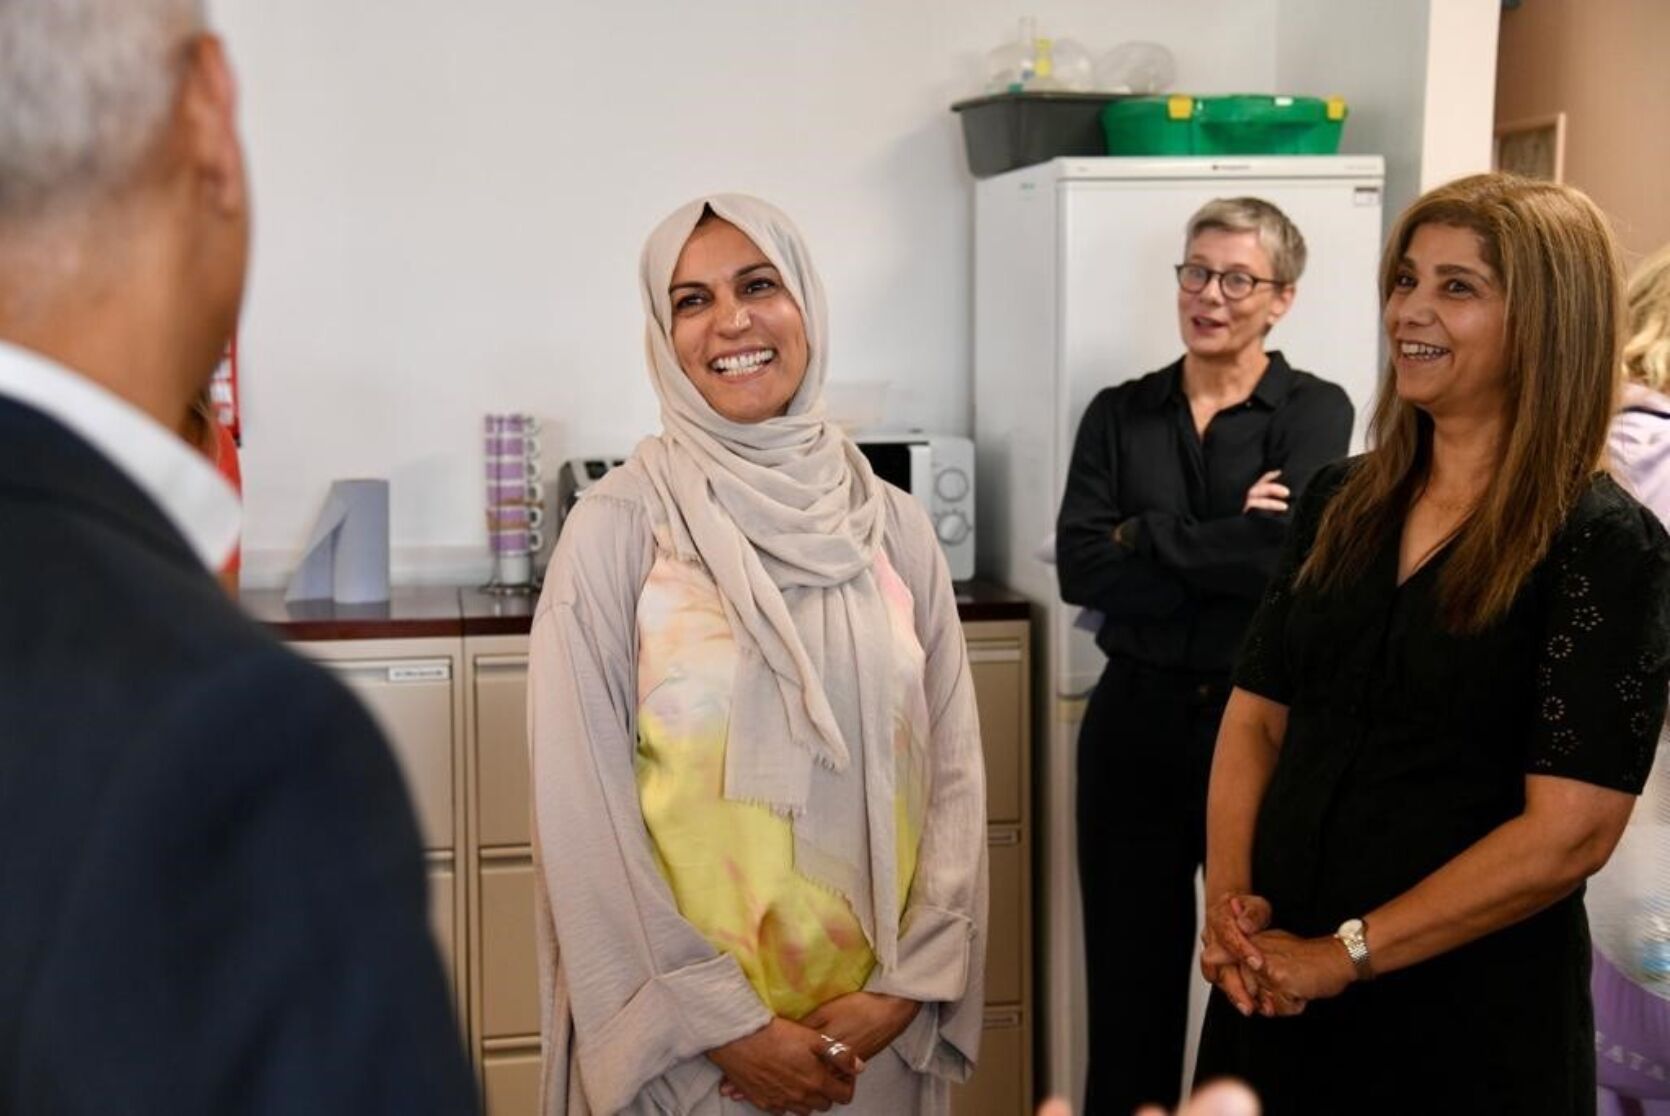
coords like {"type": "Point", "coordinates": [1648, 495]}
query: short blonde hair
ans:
{"type": "Point", "coordinates": [1279, 237]}
{"type": "Point", "coordinates": [1647, 352]}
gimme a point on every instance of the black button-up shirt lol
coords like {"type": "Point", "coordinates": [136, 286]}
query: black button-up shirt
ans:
{"type": "Point", "coordinates": [1183, 595]}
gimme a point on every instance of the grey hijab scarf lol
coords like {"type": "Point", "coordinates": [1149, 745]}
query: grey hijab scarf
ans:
{"type": "Point", "coordinates": [786, 516]}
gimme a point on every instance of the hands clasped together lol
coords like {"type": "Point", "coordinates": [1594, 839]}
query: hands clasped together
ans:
{"type": "Point", "coordinates": [1268, 971]}
{"type": "Point", "coordinates": [812, 1065]}
{"type": "Point", "coordinates": [1219, 1098]}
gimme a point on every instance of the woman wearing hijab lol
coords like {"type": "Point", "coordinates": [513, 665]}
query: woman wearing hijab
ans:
{"type": "Point", "coordinates": [758, 789]}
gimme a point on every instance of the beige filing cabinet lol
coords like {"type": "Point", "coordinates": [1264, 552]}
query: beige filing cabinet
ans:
{"type": "Point", "coordinates": [1000, 655]}
{"type": "Point", "coordinates": [414, 690]}
{"type": "Point", "coordinates": [504, 1001]}
{"type": "Point", "coordinates": [455, 712]}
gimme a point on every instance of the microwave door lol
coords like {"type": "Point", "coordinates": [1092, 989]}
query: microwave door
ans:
{"type": "Point", "coordinates": [921, 471]}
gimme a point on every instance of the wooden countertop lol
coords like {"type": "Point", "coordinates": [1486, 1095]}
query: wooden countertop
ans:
{"type": "Point", "coordinates": [450, 610]}
{"type": "Point", "coordinates": [485, 613]}
{"type": "Point", "coordinates": [412, 611]}
{"type": "Point", "coordinates": [987, 600]}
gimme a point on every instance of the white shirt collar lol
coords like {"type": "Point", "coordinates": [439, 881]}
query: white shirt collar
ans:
{"type": "Point", "coordinates": [189, 490]}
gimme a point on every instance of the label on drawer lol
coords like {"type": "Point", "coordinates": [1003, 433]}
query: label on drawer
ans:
{"type": "Point", "coordinates": [421, 672]}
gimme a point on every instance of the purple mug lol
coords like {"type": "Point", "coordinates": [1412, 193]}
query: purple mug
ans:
{"type": "Point", "coordinates": [512, 445]}
{"type": "Point", "coordinates": [511, 424]}
{"type": "Point", "coordinates": [504, 517]}
{"type": "Point", "coordinates": [512, 470]}
{"type": "Point", "coordinates": [516, 540]}
{"type": "Point", "coordinates": [512, 495]}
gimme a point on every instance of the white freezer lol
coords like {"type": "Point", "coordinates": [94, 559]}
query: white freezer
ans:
{"type": "Point", "coordinates": [1074, 291]}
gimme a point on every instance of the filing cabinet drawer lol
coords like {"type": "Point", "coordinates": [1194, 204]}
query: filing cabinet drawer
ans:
{"type": "Point", "coordinates": [501, 724]}
{"type": "Point", "coordinates": [511, 1083]}
{"type": "Point", "coordinates": [443, 917]}
{"type": "Point", "coordinates": [999, 1085]}
{"type": "Point", "coordinates": [509, 962]}
{"type": "Point", "coordinates": [999, 692]}
{"type": "Point", "coordinates": [412, 702]}
{"type": "Point", "coordinates": [1005, 946]}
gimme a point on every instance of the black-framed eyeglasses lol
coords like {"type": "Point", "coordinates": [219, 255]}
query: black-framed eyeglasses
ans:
{"type": "Point", "coordinates": [1235, 285]}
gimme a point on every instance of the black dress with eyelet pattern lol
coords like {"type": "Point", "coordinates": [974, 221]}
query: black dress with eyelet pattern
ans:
{"type": "Point", "coordinates": [1407, 744]}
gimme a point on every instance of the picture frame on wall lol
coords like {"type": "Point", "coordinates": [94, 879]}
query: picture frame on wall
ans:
{"type": "Point", "coordinates": [1535, 148]}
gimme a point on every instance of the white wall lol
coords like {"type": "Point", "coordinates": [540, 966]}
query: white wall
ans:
{"type": "Point", "coordinates": [1373, 54]}
{"type": "Point", "coordinates": [1419, 77]}
{"type": "Point", "coordinates": [1460, 103]}
{"type": "Point", "coordinates": [450, 200]}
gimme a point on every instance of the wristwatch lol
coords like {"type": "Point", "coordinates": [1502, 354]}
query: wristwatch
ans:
{"type": "Point", "coordinates": [1351, 935]}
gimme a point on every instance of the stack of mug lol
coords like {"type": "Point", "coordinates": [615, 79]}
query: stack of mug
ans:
{"type": "Point", "coordinates": [515, 505]}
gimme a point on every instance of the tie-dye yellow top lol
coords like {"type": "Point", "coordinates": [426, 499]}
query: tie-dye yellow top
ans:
{"type": "Point", "coordinates": [731, 864]}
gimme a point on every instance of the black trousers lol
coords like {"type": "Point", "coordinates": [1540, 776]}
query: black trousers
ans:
{"type": "Point", "coordinates": [1145, 756]}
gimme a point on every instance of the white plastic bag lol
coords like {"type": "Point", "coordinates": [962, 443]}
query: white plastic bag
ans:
{"type": "Point", "coordinates": [1629, 899]}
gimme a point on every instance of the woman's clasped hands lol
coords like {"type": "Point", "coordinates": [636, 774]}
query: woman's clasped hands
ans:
{"type": "Point", "coordinates": [787, 1067]}
{"type": "Point", "coordinates": [812, 1065]}
{"type": "Point", "coordinates": [1268, 971]}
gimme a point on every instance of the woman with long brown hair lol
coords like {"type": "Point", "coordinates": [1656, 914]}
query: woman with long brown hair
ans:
{"type": "Point", "coordinates": [1449, 697]}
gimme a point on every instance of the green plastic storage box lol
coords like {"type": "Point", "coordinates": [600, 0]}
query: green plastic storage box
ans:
{"type": "Point", "coordinates": [1243, 124]}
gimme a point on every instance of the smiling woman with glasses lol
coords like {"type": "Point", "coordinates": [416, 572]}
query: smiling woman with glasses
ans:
{"type": "Point", "coordinates": [1175, 509]}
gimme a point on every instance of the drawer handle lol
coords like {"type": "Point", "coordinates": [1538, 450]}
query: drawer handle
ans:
{"type": "Point", "coordinates": [421, 672]}
{"type": "Point", "coordinates": [498, 664]}
{"type": "Point", "coordinates": [994, 655]}
{"type": "Point", "coordinates": [1003, 837]}
{"type": "Point", "coordinates": [1002, 1019]}
{"type": "Point", "coordinates": [393, 670]}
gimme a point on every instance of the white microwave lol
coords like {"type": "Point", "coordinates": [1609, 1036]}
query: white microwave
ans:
{"type": "Point", "coordinates": [937, 469]}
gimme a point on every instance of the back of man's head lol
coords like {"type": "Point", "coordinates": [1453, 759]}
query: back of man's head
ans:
{"type": "Point", "coordinates": [85, 92]}
{"type": "Point", "coordinates": [124, 215]}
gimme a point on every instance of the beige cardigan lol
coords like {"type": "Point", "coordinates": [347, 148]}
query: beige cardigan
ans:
{"type": "Point", "coordinates": [632, 995]}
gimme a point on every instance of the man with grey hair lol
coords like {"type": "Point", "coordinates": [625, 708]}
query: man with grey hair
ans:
{"type": "Point", "coordinates": [211, 887]}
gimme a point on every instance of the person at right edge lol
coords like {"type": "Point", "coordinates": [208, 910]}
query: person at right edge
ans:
{"type": "Point", "coordinates": [1173, 517]}
{"type": "Point", "coordinates": [1628, 901]}
{"type": "Point", "coordinates": [1449, 698]}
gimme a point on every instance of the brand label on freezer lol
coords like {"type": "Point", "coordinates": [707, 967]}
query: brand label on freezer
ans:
{"type": "Point", "coordinates": [421, 672]}
{"type": "Point", "coordinates": [1366, 195]}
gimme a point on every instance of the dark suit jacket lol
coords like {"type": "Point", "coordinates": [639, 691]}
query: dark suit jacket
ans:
{"type": "Point", "coordinates": [211, 887]}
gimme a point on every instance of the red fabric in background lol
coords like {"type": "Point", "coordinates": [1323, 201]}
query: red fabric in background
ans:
{"type": "Point", "coordinates": [226, 460]}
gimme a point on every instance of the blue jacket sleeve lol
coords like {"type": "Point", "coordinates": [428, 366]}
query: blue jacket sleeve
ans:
{"type": "Point", "coordinates": [251, 932]}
